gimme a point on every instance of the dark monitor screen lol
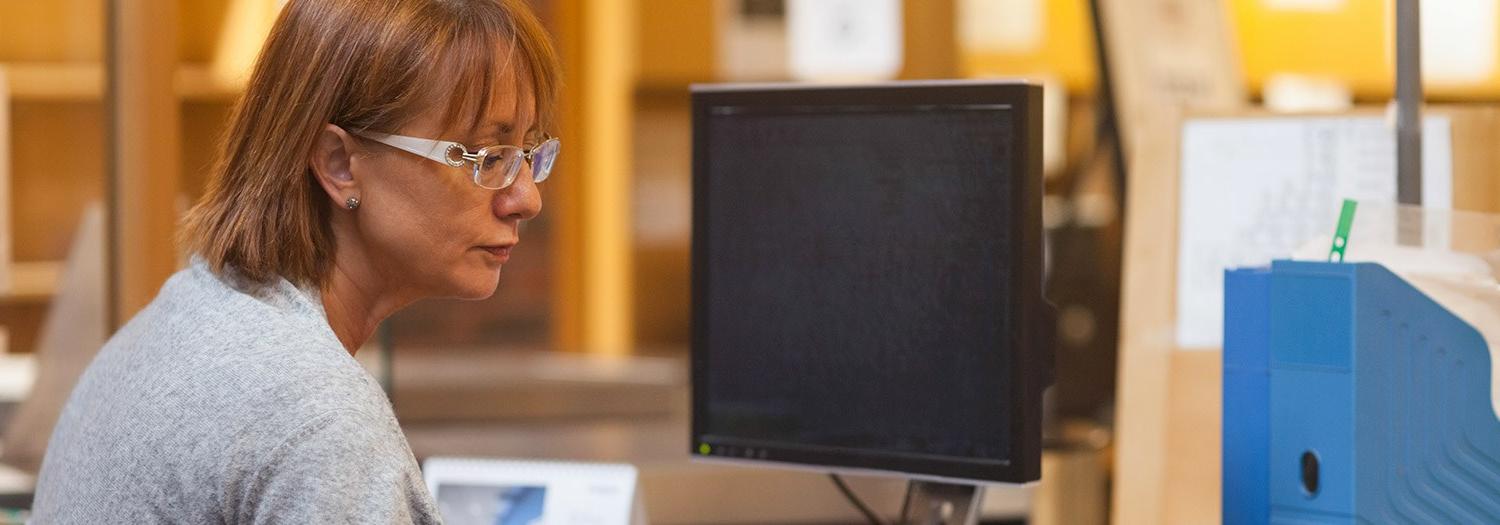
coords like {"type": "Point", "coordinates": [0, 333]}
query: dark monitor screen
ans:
{"type": "Point", "coordinates": [861, 278]}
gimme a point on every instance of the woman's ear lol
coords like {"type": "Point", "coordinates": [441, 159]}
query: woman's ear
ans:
{"type": "Point", "coordinates": [330, 159]}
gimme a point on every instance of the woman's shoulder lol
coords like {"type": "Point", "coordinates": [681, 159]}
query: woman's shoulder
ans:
{"type": "Point", "coordinates": [201, 289]}
{"type": "Point", "coordinates": [269, 347]}
{"type": "Point", "coordinates": [200, 307]}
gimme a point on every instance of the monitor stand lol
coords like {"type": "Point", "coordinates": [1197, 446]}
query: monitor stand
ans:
{"type": "Point", "coordinates": [936, 503]}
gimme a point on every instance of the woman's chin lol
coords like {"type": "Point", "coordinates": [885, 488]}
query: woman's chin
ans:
{"type": "Point", "coordinates": [476, 285]}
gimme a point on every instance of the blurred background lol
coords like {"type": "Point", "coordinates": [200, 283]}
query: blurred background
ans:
{"type": "Point", "coordinates": [117, 107]}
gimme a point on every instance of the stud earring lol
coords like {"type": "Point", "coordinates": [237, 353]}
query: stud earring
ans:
{"type": "Point", "coordinates": [352, 203]}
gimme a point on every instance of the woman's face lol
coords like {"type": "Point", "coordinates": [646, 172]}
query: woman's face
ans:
{"type": "Point", "coordinates": [427, 226]}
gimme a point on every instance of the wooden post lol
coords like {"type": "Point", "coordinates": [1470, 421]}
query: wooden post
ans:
{"type": "Point", "coordinates": [143, 146]}
{"type": "Point", "coordinates": [1164, 57]}
{"type": "Point", "coordinates": [7, 239]}
{"type": "Point", "coordinates": [926, 53]}
{"type": "Point", "coordinates": [591, 195]}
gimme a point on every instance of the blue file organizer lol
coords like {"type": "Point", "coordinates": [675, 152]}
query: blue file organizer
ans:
{"type": "Point", "coordinates": [1350, 396]}
{"type": "Point", "coordinates": [1247, 401]}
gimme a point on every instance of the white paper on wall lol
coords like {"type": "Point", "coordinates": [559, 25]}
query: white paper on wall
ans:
{"type": "Point", "coordinates": [1255, 189]}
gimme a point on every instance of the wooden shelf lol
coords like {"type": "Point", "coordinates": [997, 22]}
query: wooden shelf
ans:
{"type": "Point", "coordinates": [197, 82]}
{"type": "Point", "coordinates": [59, 81]}
{"type": "Point", "coordinates": [84, 82]}
{"type": "Point", "coordinates": [33, 281]}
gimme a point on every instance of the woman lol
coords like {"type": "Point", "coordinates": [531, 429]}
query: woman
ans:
{"type": "Point", "coordinates": [384, 151]}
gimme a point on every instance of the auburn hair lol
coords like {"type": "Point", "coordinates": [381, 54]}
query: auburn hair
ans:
{"type": "Point", "coordinates": [359, 64]}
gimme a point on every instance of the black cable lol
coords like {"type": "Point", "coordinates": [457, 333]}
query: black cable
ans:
{"type": "Point", "coordinates": [1107, 120]}
{"type": "Point", "coordinates": [854, 500]}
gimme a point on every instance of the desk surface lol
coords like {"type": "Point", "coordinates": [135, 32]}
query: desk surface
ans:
{"type": "Point", "coordinates": [676, 489]}
{"type": "Point", "coordinates": [587, 423]}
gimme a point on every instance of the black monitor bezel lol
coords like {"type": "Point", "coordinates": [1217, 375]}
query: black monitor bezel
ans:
{"type": "Point", "coordinates": [1032, 371]}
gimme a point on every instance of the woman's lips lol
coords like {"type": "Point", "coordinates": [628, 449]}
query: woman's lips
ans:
{"type": "Point", "coordinates": [499, 252]}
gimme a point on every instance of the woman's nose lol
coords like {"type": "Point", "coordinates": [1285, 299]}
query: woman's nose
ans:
{"type": "Point", "coordinates": [520, 200]}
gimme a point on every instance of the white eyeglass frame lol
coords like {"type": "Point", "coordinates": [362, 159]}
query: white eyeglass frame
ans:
{"type": "Point", "coordinates": [444, 151]}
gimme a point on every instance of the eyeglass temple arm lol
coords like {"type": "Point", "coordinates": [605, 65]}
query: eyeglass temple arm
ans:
{"type": "Point", "coordinates": [433, 149]}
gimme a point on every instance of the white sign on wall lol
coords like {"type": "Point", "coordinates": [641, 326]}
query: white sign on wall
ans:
{"type": "Point", "coordinates": [844, 40]}
{"type": "Point", "coordinates": [1458, 40]}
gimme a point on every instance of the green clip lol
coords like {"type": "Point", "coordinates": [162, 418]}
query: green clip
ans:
{"type": "Point", "coordinates": [1341, 236]}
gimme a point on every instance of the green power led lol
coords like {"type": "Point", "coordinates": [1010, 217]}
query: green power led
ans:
{"type": "Point", "coordinates": [704, 449]}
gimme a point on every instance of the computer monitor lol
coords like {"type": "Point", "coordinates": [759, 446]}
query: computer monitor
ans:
{"type": "Point", "coordinates": [867, 278]}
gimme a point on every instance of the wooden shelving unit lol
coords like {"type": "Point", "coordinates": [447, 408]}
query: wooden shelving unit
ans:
{"type": "Point", "coordinates": [53, 133]}
{"type": "Point", "coordinates": [32, 282]}
{"type": "Point", "coordinates": [84, 82]}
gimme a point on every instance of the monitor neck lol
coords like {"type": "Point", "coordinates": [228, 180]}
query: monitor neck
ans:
{"type": "Point", "coordinates": [938, 503]}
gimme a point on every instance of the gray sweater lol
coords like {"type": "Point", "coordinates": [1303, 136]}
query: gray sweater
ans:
{"type": "Point", "coordinates": [223, 403]}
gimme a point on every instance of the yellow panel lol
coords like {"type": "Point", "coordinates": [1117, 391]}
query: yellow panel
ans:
{"type": "Point", "coordinates": [1350, 42]}
{"type": "Point", "coordinates": [1346, 43]}
{"type": "Point", "coordinates": [73, 30]}
{"type": "Point", "coordinates": [676, 41]}
{"type": "Point", "coordinates": [198, 28]}
{"type": "Point", "coordinates": [1066, 50]}
{"type": "Point", "coordinates": [51, 30]}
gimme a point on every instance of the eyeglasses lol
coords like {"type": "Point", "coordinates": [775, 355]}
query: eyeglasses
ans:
{"type": "Point", "coordinates": [495, 167]}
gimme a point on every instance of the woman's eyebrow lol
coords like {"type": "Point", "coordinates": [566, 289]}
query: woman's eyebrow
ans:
{"type": "Point", "coordinates": [492, 132]}
{"type": "Point", "coordinates": [494, 127]}
{"type": "Point", "coordinates": [497, 131]}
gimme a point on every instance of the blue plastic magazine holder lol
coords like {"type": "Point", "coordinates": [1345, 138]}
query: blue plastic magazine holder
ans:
{"type": "Point", "coordinates": [1351, 396]}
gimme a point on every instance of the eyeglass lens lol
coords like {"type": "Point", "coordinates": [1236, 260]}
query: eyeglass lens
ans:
{"type": "Point", "coordinates": [501, 166]}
